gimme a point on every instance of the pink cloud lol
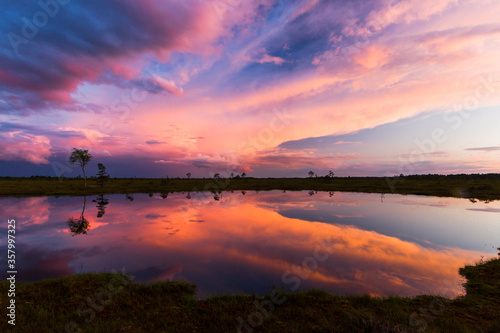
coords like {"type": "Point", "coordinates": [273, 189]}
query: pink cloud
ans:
{"type": "Point", "coordinates": [371, 57]}
{"type": "Point", "coordinates": [405, 11]}
{"type": "Point", "coordinates": [268, 58]}
{"type": "Point", "coordinates": [25, 147]}
{"type": "Point", "coordinates": [168, 86]}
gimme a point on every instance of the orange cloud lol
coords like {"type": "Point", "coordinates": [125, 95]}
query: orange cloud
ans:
{"type": "Point", "coordinates": [371, 57]}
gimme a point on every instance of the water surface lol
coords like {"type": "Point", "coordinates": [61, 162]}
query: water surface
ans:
{"type": "Point", "coordinates": [346, 243]}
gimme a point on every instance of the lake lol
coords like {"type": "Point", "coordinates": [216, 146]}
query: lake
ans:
{"type": "Point", "coordinates": [228, 243]}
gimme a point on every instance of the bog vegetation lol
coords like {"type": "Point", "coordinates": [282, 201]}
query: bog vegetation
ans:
{"type": "Point", "coordinates": [474, 187]}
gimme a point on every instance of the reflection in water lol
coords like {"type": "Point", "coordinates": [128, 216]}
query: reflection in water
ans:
{"type": "Point", "coordinates": [217, 195]}
{"type": "Point", "coordinates": [246, 242]}
{"type": "Point", "coordinates": [78, 226]}
{"type": "Point", "coordinates": [81, 225]}
{"type": "Point", "coordinates": [102, 202]}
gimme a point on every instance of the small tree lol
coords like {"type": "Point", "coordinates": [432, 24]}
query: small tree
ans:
{"type": "Point", "coordinates": [311, 174]}
{"type": "Point", "coordinates": [188, 175]}
{"type": "Point", "coordinates": [331, 174]}
{"type": "Point", "coordinates": [80, 157]}
{"type": "Point", "coordinates": [243, 175]}
{"type": "Point", "coordinates": [102, 175]}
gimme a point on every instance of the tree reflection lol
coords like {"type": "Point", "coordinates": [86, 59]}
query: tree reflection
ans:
{"type": "Point", "coordinates": [80, 225]}
{"type": "Point", "coordinates": [102, 202]}
{"type": "Point", "coordinates": [217, 195]}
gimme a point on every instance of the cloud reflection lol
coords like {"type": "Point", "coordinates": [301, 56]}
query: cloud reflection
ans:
{"type": "Point", "coordinates": [244, 243]}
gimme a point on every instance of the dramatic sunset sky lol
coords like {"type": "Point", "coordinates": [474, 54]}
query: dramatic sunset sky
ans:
{"type": "Point", "coordinates": [266, 87]}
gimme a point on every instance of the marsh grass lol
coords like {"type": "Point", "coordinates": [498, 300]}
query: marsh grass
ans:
{"type": "Point", "coordinates": [481, 187]}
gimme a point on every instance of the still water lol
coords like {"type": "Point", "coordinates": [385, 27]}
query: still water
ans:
{"type": "Point", "coordinates": [345, 243]}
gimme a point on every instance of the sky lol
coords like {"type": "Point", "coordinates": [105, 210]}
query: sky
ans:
{"type": "Point", "coordinates": [266, 87]}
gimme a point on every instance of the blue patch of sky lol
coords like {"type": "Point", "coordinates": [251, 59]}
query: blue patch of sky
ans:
{"type": "Point", "coordinates": [402, 136]}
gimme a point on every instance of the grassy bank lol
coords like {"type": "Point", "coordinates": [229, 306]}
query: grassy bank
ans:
{"type": "Point", "coordinates": [483, 187]}
{"type": "Point", "coordinates": [112, 303]}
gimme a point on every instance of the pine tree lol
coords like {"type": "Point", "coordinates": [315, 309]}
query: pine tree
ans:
{"type": "Point", "coordinates": [102, 176]}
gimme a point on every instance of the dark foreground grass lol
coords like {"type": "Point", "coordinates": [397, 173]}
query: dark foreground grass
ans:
{"type": "Point", "coordinates": [482, 187]}
{"type": "Point", "coordinates": [112, 303]}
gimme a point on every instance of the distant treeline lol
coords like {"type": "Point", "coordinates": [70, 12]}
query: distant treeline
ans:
{"type": "Point", "coordinates": [422, 176]}
{"type": "Point", "coordinates": [471, 186]}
